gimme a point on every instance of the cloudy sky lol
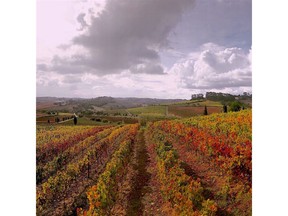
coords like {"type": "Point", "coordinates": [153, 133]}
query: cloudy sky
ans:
{"type": "Point", "coordinates": [143, 48]}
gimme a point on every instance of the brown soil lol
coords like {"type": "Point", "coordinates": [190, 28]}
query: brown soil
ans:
{"type": "Point", "coordinates": [153, 203]}
{"type": "Point", "coordinates": [189, 111]}
{"type": "Point", "coordinates": [139, 193]}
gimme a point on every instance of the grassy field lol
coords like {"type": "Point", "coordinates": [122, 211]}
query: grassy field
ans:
{"type": "Point", "coordinates": [65, 114]}
{"type": "Point", "coordinates": [117, 119]}
{"type": "Point", "coordinates": [201, 102]}
{"type": "Point", "coordinates": [149, 110]}
{"type": "Point", "coordinates": [210, 103]}
{"type": "Point", "coordinates": [117, 112]}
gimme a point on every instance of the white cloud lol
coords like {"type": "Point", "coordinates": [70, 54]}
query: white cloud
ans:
{"type": "Point", "coordinates": [212, 68]}
{"type": "Point", "coordinates": [217, 68]}
{"type": "Point", "coordinates": [126, 35]}
{"type": "Point", "coordinates": [126, 49]}
{"type": "Point", "coordinates": [58, 22]}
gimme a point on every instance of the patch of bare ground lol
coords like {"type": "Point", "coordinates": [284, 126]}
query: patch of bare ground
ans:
{"type": "Point", "coordinates": [133, 186]}
{"type": "Point", "coordinates": [140, 180]}
{"type": "Point", "coordinates": [139, 192]}
{"type": "Point", "coordinates": [152, 201]}
{"type": "Point", "coordinates": [125, 186]}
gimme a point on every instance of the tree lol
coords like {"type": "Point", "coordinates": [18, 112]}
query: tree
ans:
{"type": "Point", "coordinates": [205, 110]}
{"type": "Point", "coordinates": [57, 120]}
{"type": "Point", "coordinates": [235, 106]}
{"type": "Point", "coordinates": [225, 108]}
{"type": "Point", "coordinates": [75, 120]}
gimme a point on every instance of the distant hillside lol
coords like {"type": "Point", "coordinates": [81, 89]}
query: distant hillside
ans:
{"type": "Point", "coordinates": [107, 103]}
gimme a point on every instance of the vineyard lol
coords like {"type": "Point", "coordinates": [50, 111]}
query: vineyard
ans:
{"type": "Point", "coordinates": [194, 166]}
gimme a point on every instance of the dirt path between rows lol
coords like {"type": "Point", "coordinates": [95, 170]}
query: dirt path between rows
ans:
{"type": "Point", "coordinates": [139, 193]}
{"type": "Point", "coordinates": [134, 186]}
{"type": "Point", "coordinates": [141, 178]}
{"type": "Point", "coordinates": [145, 198]}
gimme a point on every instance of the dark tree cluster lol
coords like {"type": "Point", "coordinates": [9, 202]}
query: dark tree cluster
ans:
{"type": "Point", "coordinates": [225, 109]}
{"type": "Point", "coordinates": [197, 96]}
{"type": "Point", "coordinates": [218, 96]}
{"type": "Point", "coordinates": [205, 110]}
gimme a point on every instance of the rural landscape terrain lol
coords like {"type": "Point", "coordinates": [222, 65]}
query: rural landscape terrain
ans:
{"type": "Point", "coordinates": [144, 107]}
{"type": "Point", "coordinates": [141, 156]}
